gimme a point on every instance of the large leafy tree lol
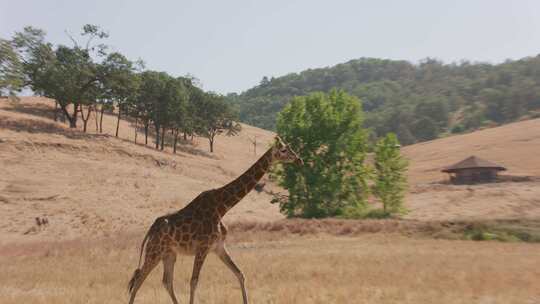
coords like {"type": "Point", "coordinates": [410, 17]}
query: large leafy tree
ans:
{"type": "Point", "coordinates": [326, 131]}
{"type": "Point", "coordinates": [74, 76]}
{"type": "Point", "coordinates": [73, 80]}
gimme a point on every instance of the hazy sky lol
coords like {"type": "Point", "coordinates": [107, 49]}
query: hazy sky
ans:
{"type": "Point", "coordinates": [230, 45]}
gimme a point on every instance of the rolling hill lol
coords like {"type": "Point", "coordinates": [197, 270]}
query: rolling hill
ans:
{"type": "Point", "coordinates": [98, 185]}
{"type": "Point", "coordinates": [418, 102]}
{"type": "Point", "coordinates": [514, 146]}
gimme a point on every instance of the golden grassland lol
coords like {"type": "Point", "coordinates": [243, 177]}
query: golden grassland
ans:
{"type": "Point", "coordinates": [280, 268]}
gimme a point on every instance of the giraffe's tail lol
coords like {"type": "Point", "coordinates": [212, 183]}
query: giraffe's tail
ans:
{"type": "Point", "coordinates": [137, 272]}
{"type": "Point", "coordinates": [134, 278]}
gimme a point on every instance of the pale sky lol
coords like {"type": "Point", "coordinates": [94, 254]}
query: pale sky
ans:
{"type": "Point", "coordinates": [230, 45]}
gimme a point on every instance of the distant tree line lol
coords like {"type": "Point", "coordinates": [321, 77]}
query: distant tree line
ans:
{"type": "Point", "coordinates": [87, 78]}
{"type": "Point", "coordinates": [418, 102]}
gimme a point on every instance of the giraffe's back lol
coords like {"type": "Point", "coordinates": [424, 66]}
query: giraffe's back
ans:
{"type": "Point", "coordinates": [189, 229]}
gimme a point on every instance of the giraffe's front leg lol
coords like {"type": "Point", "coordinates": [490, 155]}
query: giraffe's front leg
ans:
{"type": "Point", "coordinates": [225, 257]}
{"type": "Point", "coordinates": [200, 256]}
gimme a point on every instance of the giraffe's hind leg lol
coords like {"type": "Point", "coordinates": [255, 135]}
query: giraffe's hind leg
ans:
{"type": "Point", "coordinates": [168, 274]}
{"type": "Point", "coordinates": [151, 259]}
{"type": "Point", "coordinates": [200, 256]}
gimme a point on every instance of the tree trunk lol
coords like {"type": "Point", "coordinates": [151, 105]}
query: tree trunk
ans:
{"type": "Point", "coordinates": [135, 129]}
{"type": "Point", "coordinates": [211, 141]}
{"type": "Point", "coordinates": [101, 121]}
{"type": "Point", "coordinates": [77, 108]}
{"type": "Point", "coordinates": [157, 129]}
{"type": "Point", "coordinates": [96, 115]}
{"type": "Point", "coordinates": [162, 138]}
{"type": "Point", "coordinates": [85, 119]}
{"type": "Point", "coordinates": [71, 118]}
{"type": "Point", "coordinates": [185, 135]}
{"type": "Point", "coordinates": [55, 110]}
{"type": "Point", "coordinates": [118, 123]}
{"type": "Point", "coordinates": [175, 140]}
{"type": "Point", "coordinates": [146, 133]}
{"type": "Point", "coordinates": [72, 123]}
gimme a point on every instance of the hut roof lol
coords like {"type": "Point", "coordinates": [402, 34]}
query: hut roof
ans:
{"type": "Point", "coordinates": [473, 162]}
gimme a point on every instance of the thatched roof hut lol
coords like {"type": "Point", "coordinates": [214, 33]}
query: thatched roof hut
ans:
{"type": "Point", "coordinates": [473, 170]}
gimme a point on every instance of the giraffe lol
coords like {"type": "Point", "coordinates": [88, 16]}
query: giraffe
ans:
{"type": "Point", "coordinates": [197, 229]}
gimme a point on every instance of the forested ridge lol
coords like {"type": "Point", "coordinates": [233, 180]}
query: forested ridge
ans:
{"type": "Point", "coordinates": [418, 102]}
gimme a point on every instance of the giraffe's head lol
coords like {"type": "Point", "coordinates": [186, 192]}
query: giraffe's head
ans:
{"type": "Point", "coordinates": [284, 153]}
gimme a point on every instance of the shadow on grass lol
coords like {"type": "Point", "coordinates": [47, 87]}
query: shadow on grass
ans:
{"type": "Point", "coordinates": [34, 109]}
{"type": "Point", "coordinates": [36, 126]}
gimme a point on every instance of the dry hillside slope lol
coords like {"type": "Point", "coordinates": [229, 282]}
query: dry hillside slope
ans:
{"type": "Point", "coordinates": [96, 184]}
{"type": "Point", "coordinates": [515, 146]}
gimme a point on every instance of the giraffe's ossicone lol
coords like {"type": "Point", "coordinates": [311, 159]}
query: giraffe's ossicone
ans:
{"type": "Point", "coordinates": [197, 229]}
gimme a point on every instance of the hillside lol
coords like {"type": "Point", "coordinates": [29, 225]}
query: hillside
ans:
{"type": "Point", "coordinates": [98, 185]}
{"type": "Point", "coordinates": [418, 102]}
{"type": "Point", "coordinates": [515, 146]}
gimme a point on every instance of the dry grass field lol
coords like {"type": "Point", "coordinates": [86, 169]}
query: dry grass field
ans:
{"type": "Point", "coordinates": [100, 193]}
{"type": "Point", "coordinates": [372, 268]}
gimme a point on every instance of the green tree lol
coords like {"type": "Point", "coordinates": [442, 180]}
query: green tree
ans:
{"type": "Point", "coordinates": [326, 131]}
{"type": "Point", "coordinates": [152, 107]}
{"type": "Point", "coordinates": [390, 179]}
{"type": "Point", "coordinates": [215, 116]}
{"type": "Point", "coordinates": [425, 128]}
{"type": "Point", "coordinates": [11, 72]}
{"type": "Point", "coordinates": [119, 83]}
{"type": "Point", "coordinates": [195, 96]}
{"type": "Point", "coordinates": [176, 96]}
{"type": "Point", "coordinates": [35, 56]}
{"type": "Point", "coordinates": [141, 102]}
{"type": "Point", "coordinates": [495, 101]}
{"type": "Point", "coordinates": [69, 75]}
{"type": "Point", "coordinates": [436, 109]}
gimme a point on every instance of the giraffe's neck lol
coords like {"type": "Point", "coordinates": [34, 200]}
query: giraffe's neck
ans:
{"type": "Point", "coordinates": [234, 191]}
